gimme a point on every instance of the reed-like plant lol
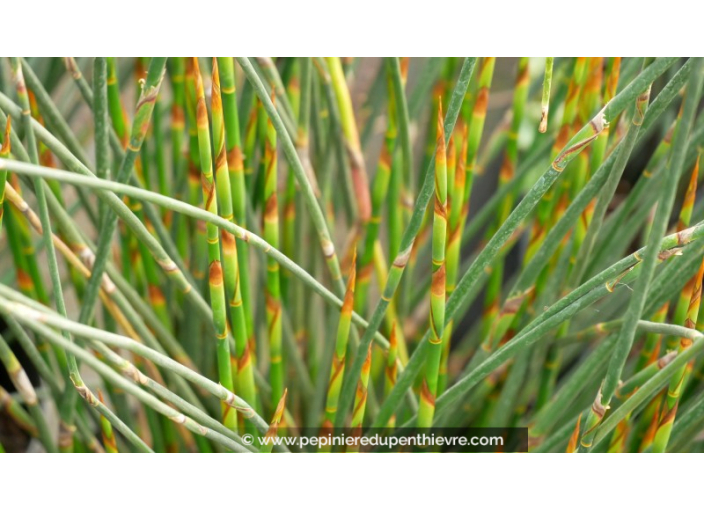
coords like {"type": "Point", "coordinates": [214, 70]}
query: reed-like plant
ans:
{"type": "Point", "coordinates": [260, 237]}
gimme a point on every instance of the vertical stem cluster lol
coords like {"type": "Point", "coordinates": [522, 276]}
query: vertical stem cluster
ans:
{"type": "Point", "coordinates": [273, 283]}
{"type": "Point", "coordinates": [232, 274]}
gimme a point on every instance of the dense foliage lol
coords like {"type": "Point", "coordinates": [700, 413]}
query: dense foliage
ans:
{"type": "Point", "coordinates": [195, 249]}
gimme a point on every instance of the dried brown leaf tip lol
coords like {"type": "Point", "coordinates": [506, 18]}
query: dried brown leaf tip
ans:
{"type": "Point", "coordinates": [273, 429]}
{"type": "Point", "coordinates": [543, 127]}
{"type": "Point", "coordinates": [280, 408]}
{"type": "Point", "coordinates": [216, 80]}
{"type": "Point", "coordinates": [574, 438]}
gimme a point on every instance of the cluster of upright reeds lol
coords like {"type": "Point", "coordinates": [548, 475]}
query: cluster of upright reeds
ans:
{"type": "Point", "coordinates": [256, 245]}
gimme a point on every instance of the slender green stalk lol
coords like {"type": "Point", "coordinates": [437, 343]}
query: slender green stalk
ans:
{"type": "Point", "coordinates": [245, 375]}
{"type": "Point", "coordinates": [399, 76]}
{"type": "Point", "coordinates": [215, 272]}
{"type": "Point", "coordinates": [163, 182]}
{"type": "Point", "coordinates": [117, 113]}
{"type": "Point", "coordinates": [235, 165]}
{"type": "Point", "coordinates": [360, 400]}
{"type": "Point", "coordinates": [353, 146]}
{"type": "Point", "coordinates": [426, 409]}
{"type": "Point", "coordinates": [337, 370]}
{"type": "Point", "coordinates": [456, 207]}
{"type": "Point", "coordinates": [273, 283]}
